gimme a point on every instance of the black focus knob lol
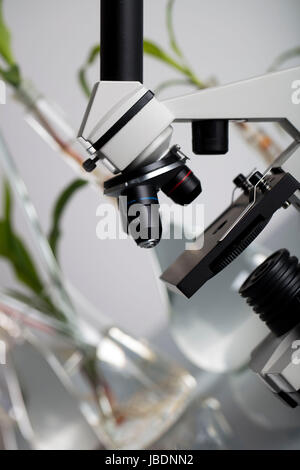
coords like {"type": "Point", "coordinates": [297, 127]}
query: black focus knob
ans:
{"type": "Point", "coordinates": [89, 165]}
{"type": "Point", "coordinates": [242, 182]}
{"type": "Point", "coordinates": [273, 290]}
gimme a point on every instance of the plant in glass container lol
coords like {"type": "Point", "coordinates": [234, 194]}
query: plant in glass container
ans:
{"type": "Point", "coordinates": [127, 392]}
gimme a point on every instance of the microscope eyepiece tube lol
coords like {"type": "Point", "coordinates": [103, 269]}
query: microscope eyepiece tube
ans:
{"type": "Point", "coordinates": [122, 40]}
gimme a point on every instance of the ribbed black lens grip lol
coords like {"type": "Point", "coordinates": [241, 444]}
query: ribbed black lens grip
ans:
{"type": "Point", "coordinates": [273, 291]}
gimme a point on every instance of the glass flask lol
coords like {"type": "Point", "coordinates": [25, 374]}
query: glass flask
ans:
{"type": "Point", "coordinates": [132, 402]}
{"type": "Point", "coordinates": [132, 408]}
{"type": "Point", "coordinates": [215, 329]}
{"type": "Point", "coordinates": [128, 394]}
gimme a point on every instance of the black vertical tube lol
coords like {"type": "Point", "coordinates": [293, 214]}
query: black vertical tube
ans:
{"type": "Point", "coordinates": [122, 40]}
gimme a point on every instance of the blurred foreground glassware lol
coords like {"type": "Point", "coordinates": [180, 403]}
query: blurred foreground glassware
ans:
{"type": "Point", "coordinates": [14, 421]}
{"type": "Point", "coordinates": [128, 393]}
{"type": "Point", "coordinates": [215, 329]}
{"type": "Point", "coordinates": [132, 408]}
{"type": "Point", "coordinates": [202, 426]}
{"type": "Point", "coordinates": [257, 420]}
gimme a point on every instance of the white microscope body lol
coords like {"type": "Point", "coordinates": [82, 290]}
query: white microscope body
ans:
{"type": "Point", "coordinates": [144, 136]}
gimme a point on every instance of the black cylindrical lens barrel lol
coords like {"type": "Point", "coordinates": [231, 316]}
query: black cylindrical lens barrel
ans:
{"type": "Point", "coordinates": [210, 137]}
{"type": "Point", "coordinates": [142, 218]}
{"type": "Point", "coordinates": [122, 40]}
{"type": "Point", "coordinates": [183, 188]}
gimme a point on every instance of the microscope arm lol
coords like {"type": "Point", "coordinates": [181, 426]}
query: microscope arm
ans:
{"type": "Point", "coordinates": [270, 98]}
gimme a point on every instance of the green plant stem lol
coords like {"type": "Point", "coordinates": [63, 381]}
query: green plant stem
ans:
{"type": "Point", "coordinates": [171, 31]}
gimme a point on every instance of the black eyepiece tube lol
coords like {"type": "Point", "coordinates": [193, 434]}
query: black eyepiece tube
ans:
{"type": "Point", "coordinates": [122, 40]}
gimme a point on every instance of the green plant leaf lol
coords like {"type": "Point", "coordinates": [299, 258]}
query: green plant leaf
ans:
{"type": "Point", "coordinates": [7, 204]}
{"type": "Point", "coordinates": [5, 40]}
{"type": "Point", "coordinates": [152, 49]}
{"type": "Point", "coordinates": [14, 250]}
{"type": "Point", "coordinates": [156, 51]}
{"type": "Point", "coordinates": [83, 82]}
{"type": "Point", "coordinates": [40, 303]}
{"type": "Point", "coordinates": [11, 75]}
{"type": "Point", "coordinates": [170, 28]}
{"type": "Point", "coordinates": [59, 210]}
{"type": "Point", "coordinates": [288, 55]}
{"type": "Point", "coordinates": [82, 74]}
{"type": "Point", "coordinates": [94, 53]}
{"type": "Point", "coordinates": [171, 83]}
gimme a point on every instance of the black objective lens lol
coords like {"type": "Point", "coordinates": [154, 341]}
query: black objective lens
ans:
{"type": "Point", "coordinates": [183, 188]}
{"type": "Point", "coordinates": [210, 137]}
{"type": "Point", "coordinates": [141, 218]}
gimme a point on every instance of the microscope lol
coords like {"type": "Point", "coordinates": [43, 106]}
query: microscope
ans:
{"type": "Point", "coordinates": [129, 130]}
